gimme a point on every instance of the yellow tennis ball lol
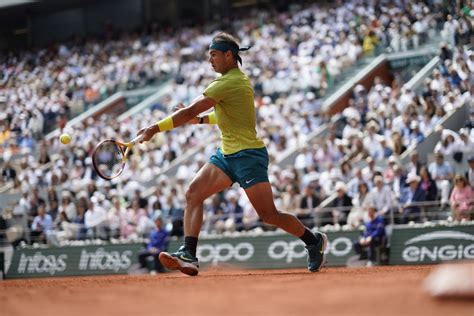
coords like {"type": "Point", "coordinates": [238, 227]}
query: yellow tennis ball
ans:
{"type": "Point", "coordinates": [65, 139]}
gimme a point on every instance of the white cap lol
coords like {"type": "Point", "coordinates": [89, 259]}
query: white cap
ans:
{"type": "Point", "coordinates": [232, 194]}
{"type": "Point", "coordinates": [340, 186]}
{"type": "Point", "coordinates": [412, 177]}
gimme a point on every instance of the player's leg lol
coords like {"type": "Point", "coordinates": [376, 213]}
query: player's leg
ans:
{"type": "Point", "coordinates": [261, 197]}
{"type": "Point", "coordinates": [208, 181]}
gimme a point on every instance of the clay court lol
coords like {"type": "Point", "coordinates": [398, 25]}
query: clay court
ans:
{"type": "Point", "coordinates": [335, 291]}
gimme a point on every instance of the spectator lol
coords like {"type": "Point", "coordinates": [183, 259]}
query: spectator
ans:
{"type": "Point", "coordinates": [381, 196]}
{"type": "Point", "coordinates": [442, 173]}
{"type": "Point", "coordinates": [341, 204]}
{"type": "Point", "coordinates": [370, 170]}
{"type": "Point", "coordinates": [345, 172]}
{"type": "Point", "coordinates": [428, 185]}
{"type": "Point", "coordinates": [470, 121]}
{"type": "Point", "coordinates": [250, 219]}
{"type": "Point", "coordinates": [8, 172]}
{"type": "Point", "coordinates": [372, 237]}
{"type": "Point", "coordinates": [352, 128]}
{"type": "Point", "coordinates": [397, 143]}
{"type": "Point", "coordinates": [158, 243]}
{"type": "Point", "coordinates": [353, 185]}
{"type": "Point", "coordinates": [399, 181]}
{"type": "Point", "coordinates": [414, 164]}
{"type": "Point", "coordinates": [372, 140]}
{"type": "Point", "coordinates": [131, 219]}
{"type": "Point", "coordinates": [60, 232]}
{"type": "Point", "coordinates": [115, 217]}
{"type": "Point", "coordinates": [213, 211]}
{"type": "Point", "coordinates": [360, 201]}
{"type": "Point", "coordinates": [174, 210]}
{"type": "Point", "coordinates": [415, 136]}
{"type": "Point", "coordinates": [389, 172]}
{"type": "Point", "coordinates": [42, 224]}
{"type": "Point", "coordinates": [290, 199]}
{"type": "Point", "coordinates": [304, 159]}
{"type": "Point", "coordinates": [80, 222]}
{"type": "Point", "coordinates": [470, 171]}
{"type": "Point", "coordinates": [145, 225]}
{"type": "Point", "coordinates": [308, 202]}
{"type": "Point", "coordinates": [43, 157]}
{"type": "Point", "coordinates": [67, 206]}
{"type": "Point", "coordinates": [448, 144]}
{"type": "Point", "coordinates": [450, 29]}
{"type": "Point", "coordinates": [370, 43]}
{"type": "Point", "coordinates": [411, 196]}
{"type": "Point", "coordinates": [386, 149]}
{"type": "Point", "coordinates": [444, 52]}
{"type": "Point", "coordinates": [462, 199]}
{"type": "Point", "coordinates": [465, 144]}
{"type": "Point", "coordinates": [233, 211]}
{"type": "Point", "coordinates": [427, 125]}
{"type": "Point", "coordinates": [95, 219]}
{"type": "Point", "coordinates": [34, 202]}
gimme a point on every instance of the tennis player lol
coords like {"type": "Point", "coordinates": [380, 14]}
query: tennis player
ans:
{"type": "Point", "coordinates": [241, 158]}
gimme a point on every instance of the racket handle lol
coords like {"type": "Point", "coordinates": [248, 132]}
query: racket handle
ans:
{"type": "Point", "coordinates": [136, 139]}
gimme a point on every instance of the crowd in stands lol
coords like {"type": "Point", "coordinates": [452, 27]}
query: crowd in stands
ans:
{"type": "Point", "coordinates": [385, 122]}
{"type": "Point", "coordinates": [302, 50]}
{"type": "Point", "coordinates": [295, 59]}
{"type": "Point", "coordinates": [41, 89]}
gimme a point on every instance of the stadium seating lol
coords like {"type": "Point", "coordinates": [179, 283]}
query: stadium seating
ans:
{"type": "Point", "coordinates": [293, 67]}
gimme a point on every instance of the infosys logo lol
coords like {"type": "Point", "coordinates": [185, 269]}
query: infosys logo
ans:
{"type": "Point", "coordinates": [40, 263]}
{"type": "Point", "coordinates": [104, 260]}
{"type": "Point", "coordinates": [455, 249]}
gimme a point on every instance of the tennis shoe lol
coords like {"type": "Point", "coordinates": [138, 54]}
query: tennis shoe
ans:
{"type": "Point", "coordinates": [181, 260]}
{"type": "Point", "coordinates": [316, 253]}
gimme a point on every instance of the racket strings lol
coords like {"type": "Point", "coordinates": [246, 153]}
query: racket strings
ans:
{"type": "Point", "coordinates": [109, 159]}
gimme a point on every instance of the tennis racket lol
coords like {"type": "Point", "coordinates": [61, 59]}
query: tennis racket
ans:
{"type": "Point", "coordinates": [110, 156]}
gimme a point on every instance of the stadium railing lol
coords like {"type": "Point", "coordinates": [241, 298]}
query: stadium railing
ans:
{"type": "Point", "coordinates": [428, 212]}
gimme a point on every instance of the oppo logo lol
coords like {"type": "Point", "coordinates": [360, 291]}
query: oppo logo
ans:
{"type": "Point", "coordinates": [225, 252]}
{"type": "Point", "coordinates": [277, 250]}
{"type": "Point", "coordinates": [289, 251]}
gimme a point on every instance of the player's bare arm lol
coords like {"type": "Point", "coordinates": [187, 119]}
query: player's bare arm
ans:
{"type": "Point", "coordinates": [180, 117]}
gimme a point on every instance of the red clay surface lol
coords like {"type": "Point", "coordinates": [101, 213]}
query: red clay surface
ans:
{"type": "Point", "coordinates": [335, 291]}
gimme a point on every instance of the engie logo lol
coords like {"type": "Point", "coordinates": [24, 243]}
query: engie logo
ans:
{"type": "Point", "coordinates": [105, 260]}
{"type": "Point", "coordinates": [453, 246]}
{"type": "Point", "coordinates": [39, 263]}
{"type": "Point", "coordinates": [289, 251]}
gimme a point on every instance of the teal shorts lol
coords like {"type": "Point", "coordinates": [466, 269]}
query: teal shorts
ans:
{"type": "Point", "coordinates": [247, 167]}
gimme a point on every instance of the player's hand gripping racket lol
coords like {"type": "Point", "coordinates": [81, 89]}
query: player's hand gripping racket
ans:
{"type": "Point", "coordinates": [110, 156]}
